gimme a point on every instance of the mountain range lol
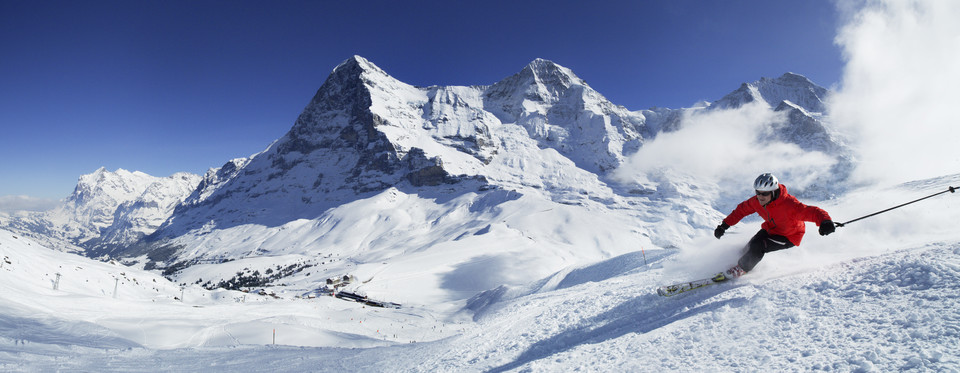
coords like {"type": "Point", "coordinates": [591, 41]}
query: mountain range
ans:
{"type": "Point", "coordinates": [372, 164]}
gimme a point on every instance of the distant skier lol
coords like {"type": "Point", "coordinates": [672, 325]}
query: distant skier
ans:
{"type": "Point", "coordinates": [783, 223]}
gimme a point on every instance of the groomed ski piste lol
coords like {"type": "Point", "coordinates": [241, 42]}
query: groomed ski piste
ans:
{"type": "Point", "coordinates": [878, 295]}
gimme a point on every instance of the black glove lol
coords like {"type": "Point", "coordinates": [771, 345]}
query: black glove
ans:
{"type": "Point", "coordinates": [827, 227]}
{"type": "Point", "coordinates": [720, 230]}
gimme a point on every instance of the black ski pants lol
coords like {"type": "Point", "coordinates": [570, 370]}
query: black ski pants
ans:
{"type": "Point", "coordinates": [760, 244]}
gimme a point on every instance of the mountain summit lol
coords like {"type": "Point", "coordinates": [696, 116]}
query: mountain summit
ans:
{"type": "Point", "coordinates": [107, 210]}
{"type": "Point", "coordinates": [362, 132]}
{"type": "Point", "coordinates": [789, 87]}
{"type": "Point", "coordinates": [562, 112]}
{"type": "Point", "coordinates": [365, 131]}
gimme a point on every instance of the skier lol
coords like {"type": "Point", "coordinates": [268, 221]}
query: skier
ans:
{"type": "Point", "coordinates": [783, 223]}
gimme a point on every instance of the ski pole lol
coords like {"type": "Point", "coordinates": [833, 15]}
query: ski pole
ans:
{"type": "Point", "coordinates": [949, 189]}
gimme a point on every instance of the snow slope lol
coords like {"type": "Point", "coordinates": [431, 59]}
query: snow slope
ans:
{"type": "Point", "coordinates": [54, 299]}
{"type": "Point", "coordinates": [878, 295]}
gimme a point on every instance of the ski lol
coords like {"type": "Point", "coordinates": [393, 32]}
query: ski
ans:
{"type": "Point", "coordinates": [671, 290]}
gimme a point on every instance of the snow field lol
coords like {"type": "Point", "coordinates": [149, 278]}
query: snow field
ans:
{"type": "Point", "coordinates": [879, 295]}
{"type": "Point", "coordinates": [147, 311]}
{"type": "Point", "coordinates": [894, 312]}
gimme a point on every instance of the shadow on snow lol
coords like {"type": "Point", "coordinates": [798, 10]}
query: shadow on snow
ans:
{"type": "Point", "coordinates": [642, 314]}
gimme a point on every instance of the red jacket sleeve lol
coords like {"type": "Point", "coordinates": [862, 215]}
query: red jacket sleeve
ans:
{"type": "Point", "coordinates": [743, 210]}
{"type": "Point", "coordinates": [811, 213]}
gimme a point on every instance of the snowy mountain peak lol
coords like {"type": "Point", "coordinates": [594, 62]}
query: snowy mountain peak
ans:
{"type": "Point", "coordinates": [98, 194]}
{"type": "Point", "coordinates": [119, 207]}
{"type": "Point", "coordinates": [118, 185]}
{"type": "Point", "coordinates": [540, 82]}
{"type": "Point", "coordinates": [135, 218]}
{"type": "Point", "coordinates": [562, 112]}
{"type": "Point", "coordinates": [551, 76]}
{"type": "Point", "coordinates": [339, 115]}
{"type": "Point", "coordinates": [791, 87]}
{"type": "Point", "coordinates": [355, 60]}
{"type": "Point", "coordinates": [362, 132]}
{"type": "Point", "coordinates": [793, 79]}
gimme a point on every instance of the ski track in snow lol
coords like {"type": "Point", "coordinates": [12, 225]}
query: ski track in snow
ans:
{"type": "Point", "coordinates": [856, 316]}
{"type": "Point", "coordinates": [895, 311]}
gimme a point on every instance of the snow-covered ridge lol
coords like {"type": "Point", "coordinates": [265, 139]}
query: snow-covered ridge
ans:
{"type": "Point", "coordinates": [365, 131]}
{"type": "Point", "coordinates": [562, 112]}
{"type": "Point", "coordinates": [790, 87]}
{"type": "Point", "coordinates": [107, 209]}
{"type": "Point", "coordinates": [137, 218]}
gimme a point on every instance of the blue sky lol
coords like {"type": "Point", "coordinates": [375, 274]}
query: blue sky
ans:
{"type": "Point", "coordinates": [169, 86]}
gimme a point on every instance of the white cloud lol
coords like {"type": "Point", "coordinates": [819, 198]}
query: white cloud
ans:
{"type": "Point", "coordinates": [900, 88]}
{"type": "Point", "coordinates": [728, 147]}
{"type": "Point", "coordinates": [25, 203]}
{"type": "Point", "coordinates": [897, 103]}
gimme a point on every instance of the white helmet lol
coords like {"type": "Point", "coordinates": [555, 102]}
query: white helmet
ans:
{"type": "Point", "coordinates": [766, 183]}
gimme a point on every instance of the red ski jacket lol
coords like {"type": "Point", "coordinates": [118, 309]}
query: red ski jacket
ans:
{"type": "Point", "coordinates": [783, 216]}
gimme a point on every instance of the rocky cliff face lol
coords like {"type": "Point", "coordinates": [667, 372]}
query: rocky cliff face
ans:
{"type": "Point", "coordinates": [365, 131]}
{"type": "Point", "coordinates": [361, 133]}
